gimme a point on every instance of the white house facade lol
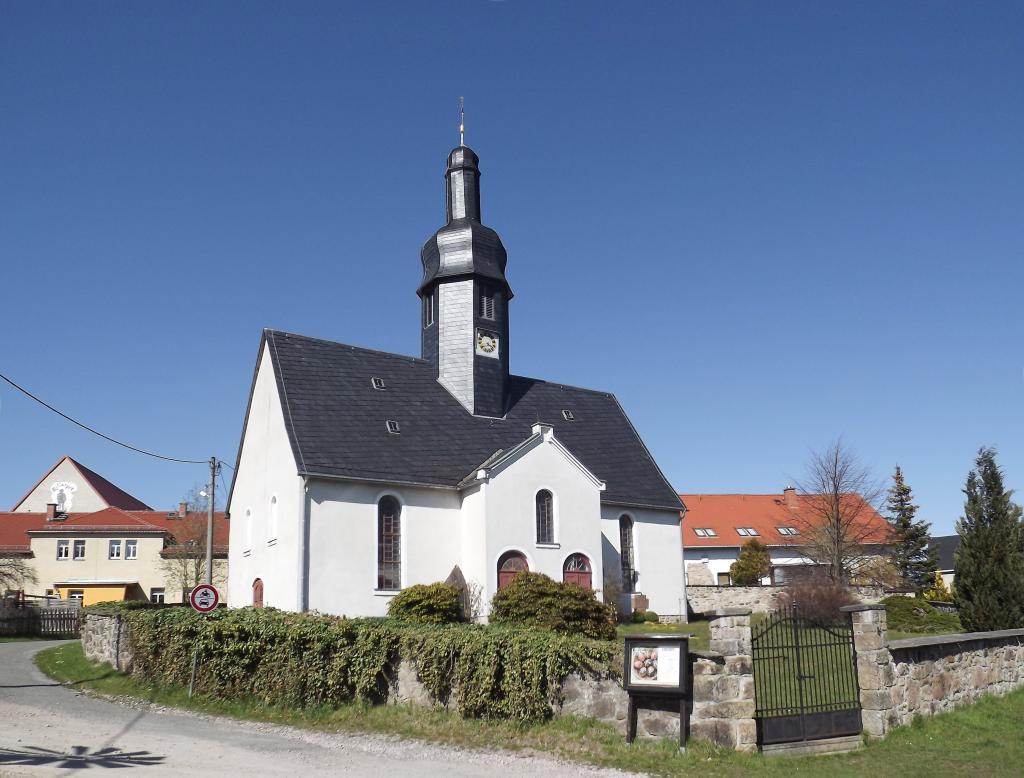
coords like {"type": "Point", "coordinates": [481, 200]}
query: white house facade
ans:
{"type": "Point", "coordinates": [361, 472]}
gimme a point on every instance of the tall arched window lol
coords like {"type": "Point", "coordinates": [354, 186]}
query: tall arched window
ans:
{"type": "Point", "coordinates": [389, 544]}
{"type": "Point", "coordinates": [272, 519]}
{"type": "Point", "coordinates": [545, 517]}
{"type": "Point", "coordinates": [511, 564]}
{"type": "Point", "coordinates": [257, 593]}
{"type": "Point", "coordinates": [576, 570]}
{"type": "Point", "coordinates": [626, 552]}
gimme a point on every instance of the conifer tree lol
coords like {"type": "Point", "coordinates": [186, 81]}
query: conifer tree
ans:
{"type": "Point", "coordinates": [911, 555]}
{"type": "Point", "coordinates": [989, 564]}
{"type": "Point", "coordinates": [752, 564]}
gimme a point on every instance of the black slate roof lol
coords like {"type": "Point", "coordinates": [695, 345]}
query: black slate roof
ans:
{"type": "Point", "coordinates": [947, 546]}
{"type": "Point", "coordinates": [336, 422]}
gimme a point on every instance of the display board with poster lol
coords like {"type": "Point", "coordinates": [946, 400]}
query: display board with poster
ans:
{"type": "Point", "coordinates": [656, 667]}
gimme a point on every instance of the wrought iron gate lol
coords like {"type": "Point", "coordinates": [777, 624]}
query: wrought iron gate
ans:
{"type": "Point", "coordinates": [805, 679]}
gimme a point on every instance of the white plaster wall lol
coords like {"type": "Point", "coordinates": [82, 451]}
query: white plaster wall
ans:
{"type": "Point", "coordinates": [266, 469]}
{"type": "Point", "coordinates": [85, 499]}
{"type": "Point", "coordinates": [474, 541]}
{"type": "Point", "coordinates": [343, 543]}
{"type": "Point", "coordinates": [511, 514]}
{"type": "Point", "coordinates": [456, 340]}
{"type": "Point", "coordinates": [657, 555]}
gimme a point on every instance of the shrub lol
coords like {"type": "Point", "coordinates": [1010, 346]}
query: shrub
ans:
{"type": "Point", "coordinates": [534, 600]}
{"type": "Point", "coordinates": [637, 617]}
{"type": "Point", "coordinates": [307, 660]}
{"type": "Point", "coordinates": [939, 592]}
{"type": "Point", "coordinates": [912, 614]}
{"type": "Point", "coordinates": [752, 564]}
{"type": "Point", "coordinates": [651, 617]}
{"type": "Point", "coordinates": [437, 603]}
{"type": "Point", "coordinates": [817, 597]}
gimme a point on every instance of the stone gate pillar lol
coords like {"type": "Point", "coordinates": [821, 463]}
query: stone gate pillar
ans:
{"type": "Point", "coordinates": [723, 683]}
{"type": "Point", "coordinates": [875, 671]}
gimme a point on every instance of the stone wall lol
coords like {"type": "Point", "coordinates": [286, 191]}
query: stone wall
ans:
{"type": "Point", "coordinates": [756, 598]}
{"type": "Point", "coordinates": [722, 681]}
{"type": "Point", "coordinates": [105, 638]}
{"type": "Point", "coordinates": [901, 679]}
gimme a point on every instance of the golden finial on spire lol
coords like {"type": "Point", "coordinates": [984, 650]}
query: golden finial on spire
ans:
{"type": "Point", "coordinates": [462, 121]}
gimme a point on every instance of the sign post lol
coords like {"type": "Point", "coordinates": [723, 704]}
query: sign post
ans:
{"type": "Point", "coordinates": [204, 599]}
{"type": "Point", "coordinates": [655, 674]}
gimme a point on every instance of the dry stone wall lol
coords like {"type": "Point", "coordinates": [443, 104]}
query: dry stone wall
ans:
{"type": "Point", "coordinates": [759, 599]}
{"type": "Point", "coordinates": [106, 638]}
{"type": "Point", "coordinates": [901, 679]}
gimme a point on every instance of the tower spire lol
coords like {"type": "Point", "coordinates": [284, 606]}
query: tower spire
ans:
{"type": "Point", "coordinates": [462, 121]}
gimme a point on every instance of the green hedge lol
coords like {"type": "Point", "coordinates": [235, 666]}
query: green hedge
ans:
{"type": "Point", "coordinates": [304, 660]}
{"type": "Point", "coordinates": [534, 600]}
{"type": "Point", "coordinates": [436, 603]}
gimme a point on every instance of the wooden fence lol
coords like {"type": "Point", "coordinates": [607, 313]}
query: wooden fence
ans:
{"type": "Point", "coordinates": [48, 622]}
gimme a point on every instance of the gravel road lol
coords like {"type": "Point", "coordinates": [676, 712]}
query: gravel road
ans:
{"type": "Point", "coordinates": [49, 729]}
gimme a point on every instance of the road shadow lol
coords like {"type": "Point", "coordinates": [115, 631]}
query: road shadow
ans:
{"type": "Point", "coordinates": [80, 757]}
{"type": "Point", "coordinates": [56, 683]}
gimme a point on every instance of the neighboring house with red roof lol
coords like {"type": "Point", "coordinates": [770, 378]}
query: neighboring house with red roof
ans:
{"type": "Point", "coordinates": [715, 527]}
{"type": "Point", "coordinates": [110, 552]}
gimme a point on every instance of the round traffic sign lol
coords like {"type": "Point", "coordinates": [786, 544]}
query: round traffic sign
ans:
{"type": "Point", "coordinates": [204, 598]}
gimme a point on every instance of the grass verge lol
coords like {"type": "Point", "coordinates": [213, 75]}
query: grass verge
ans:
{"type": "Point", "coordinates": [979, 740]}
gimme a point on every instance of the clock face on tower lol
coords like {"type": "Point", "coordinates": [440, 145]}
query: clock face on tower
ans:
{"type": "Point", "coordinates": [486, 343]}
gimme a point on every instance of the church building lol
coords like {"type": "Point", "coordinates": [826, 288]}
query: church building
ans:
{"type": "Point", "coordinates": [361, 472]}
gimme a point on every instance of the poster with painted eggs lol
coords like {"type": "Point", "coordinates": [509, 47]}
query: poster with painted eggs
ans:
{"type": "Point", "coordinates": [654, 665]}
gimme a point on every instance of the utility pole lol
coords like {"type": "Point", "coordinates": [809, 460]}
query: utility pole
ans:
{"type": "Point", "coordinates": [209, 521]}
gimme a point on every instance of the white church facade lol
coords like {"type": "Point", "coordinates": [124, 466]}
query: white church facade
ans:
{"type": "Point", "coordinates": [361, 472]}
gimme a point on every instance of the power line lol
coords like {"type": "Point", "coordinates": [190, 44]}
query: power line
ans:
{"type": "Point", "coordinates": [86, 427]}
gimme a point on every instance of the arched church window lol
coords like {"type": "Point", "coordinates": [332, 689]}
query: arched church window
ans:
{"type": "Point", "coordinates": [626, 553]}
{"type": "Point", "coordinates": [257, 593]}
{"type": "Point", "coordinates": [576, 570]}
{"type": "Point", "coordinates": [511, 564]}
{"type": "Point", "coordinates": [389, 544]}
{"type": "Point", "coordinates": [545, 517]}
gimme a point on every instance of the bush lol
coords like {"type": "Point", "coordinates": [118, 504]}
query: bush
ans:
{"type": "Point", "coordinates": [912, 614]}
{"type": "Point", "coordinates": [651, 617]}
{"type": "Point", "coordinates": [817, 597]}
{"type": "Point", "coordinates": [302, 660]}
{"type": "Point", "coordinates": [752, 564]}
{"type": "Point", "coordinates": [939, 592]}
{"type": "Point", "coordinates": [436, 603]}
{"type": "Point", "coordinates": [534, 600]}
{"type": "Point", "coordinates": [638, 617]}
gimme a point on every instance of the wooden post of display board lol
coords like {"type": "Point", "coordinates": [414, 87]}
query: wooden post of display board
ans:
{"type": "Point", "coordinates": [656, 670]}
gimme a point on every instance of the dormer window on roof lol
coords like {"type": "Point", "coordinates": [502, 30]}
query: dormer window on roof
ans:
{"type": "Point", "coordinates": [377, 382]}
{"type": "Point", "coordinates": [393, 427]}
{"type": "Point", "coordinates": [704, 532]}
{"type": "Point", "coordinates": [567, 415]}
{"type": "Point", "coordinates": [747, 532]}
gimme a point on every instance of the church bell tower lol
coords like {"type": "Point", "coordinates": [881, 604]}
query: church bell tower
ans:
{"type": "Point", "coordinates": [465, 296]}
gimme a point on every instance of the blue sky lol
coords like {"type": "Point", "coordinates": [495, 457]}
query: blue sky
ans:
{"type": "Point", "coordinates": [762, 225]}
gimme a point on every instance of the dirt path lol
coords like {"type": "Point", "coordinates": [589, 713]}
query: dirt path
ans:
{"type": "Point", "coordinates": [48, 729]}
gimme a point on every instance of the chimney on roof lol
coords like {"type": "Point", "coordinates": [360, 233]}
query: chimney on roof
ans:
{"type": "Point", "coordinates": [789, 493]}
{"type": "Point", "coordinates": [51, 511]}
{"type": "Point", "coordinates": [183, 509]}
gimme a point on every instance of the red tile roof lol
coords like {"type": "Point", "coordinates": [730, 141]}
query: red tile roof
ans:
{"type": "Point", "coordinates": [114, 496]}
{"type": "Point", "coordinates": [765, 513]}
{"type": "Point", "coordinates": [14, 527]}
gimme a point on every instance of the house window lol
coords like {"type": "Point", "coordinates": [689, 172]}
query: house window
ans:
{"type": "Point", "coordinates": [76, 595]}
{"type": "Point", "coordinates": [257, 593]}
{"type": "Point", "coordinates": [389, 544]}
{"type": "Point", "coordinates": [576, 570]}
{"type": "Point", "coordinates": [63, 549]}
{"type": "Point", "coordinates": [545, 517]}
{"type": "Point", "coordinates": [626, 553]}
{"type": "Point", "coordinates": [428, 310]}
{"type": "Point", "coordinates": [724, 579]}
{"type": "Point", "coordinates": [272, 527]}
{"type": "Point", "coordinates": [79, 549]}
{"type": "Point", "coordinates": [705, 532]}
{"type": "Point", "coordinates": [115, 550]}
{"type": "Point", "coordinates": [747, 532]}
{"type": "Point", "coordinates": [156, 595]}
{"type": "Point", "coordinates": [788, 531]}
{"type": "Point", "coordinates": [511, 564]}
{"type": "Point", "coordinates": [486, 310]}
{"type": "Point", "coordinates": [131, 549]}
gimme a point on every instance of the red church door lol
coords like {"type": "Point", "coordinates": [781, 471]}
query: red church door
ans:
{"type": "Point", "coordinates": [509, 566]}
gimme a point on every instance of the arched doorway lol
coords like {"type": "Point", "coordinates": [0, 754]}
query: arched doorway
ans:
{"type": "Point", "coordinates": [511, 564]}
{"type": "Point", "coordinates": [576, 570]}
{"type": "Point", "coordinates": [257, 593]}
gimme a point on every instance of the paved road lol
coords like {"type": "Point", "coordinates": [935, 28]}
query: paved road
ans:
{"type": "Point", "coordinates": [49, 729]}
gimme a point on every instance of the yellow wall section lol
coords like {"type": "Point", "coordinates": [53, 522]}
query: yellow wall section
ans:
{"type": "Point", "coordinates": [94, 594]}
